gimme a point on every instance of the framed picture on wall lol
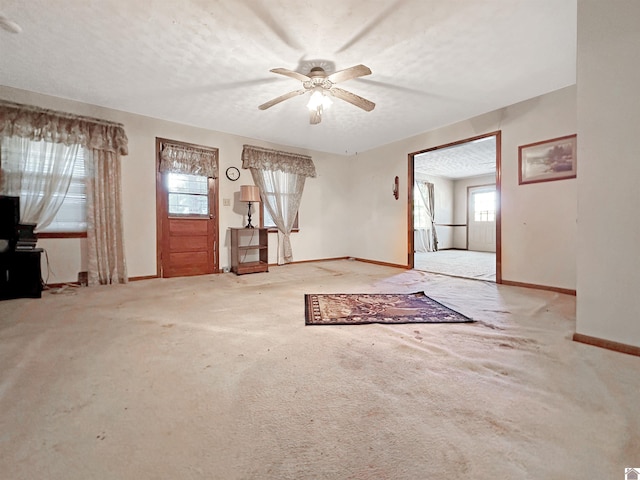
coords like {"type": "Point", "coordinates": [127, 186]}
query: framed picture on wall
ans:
{"type": "Point", "coordinates": [548, 160]}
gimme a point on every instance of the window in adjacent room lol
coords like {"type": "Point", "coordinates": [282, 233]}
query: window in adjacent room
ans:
{"type": "Point", "coordinates": [420, 216]}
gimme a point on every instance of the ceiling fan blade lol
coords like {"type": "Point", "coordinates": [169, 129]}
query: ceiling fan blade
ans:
{"type": "Point", "coordinates": [266, 15]}
{"type": "Point", "coordinates": [368, 28]}
{"type": "Point", "coordinates": [290, 73]}
{"type": "Point", "coordinates": [349, 73]}
{"type": "Point", "coordinates": [9, 25]}
{"type": "Point", "coordinates": [352, 98]}
{"type": "Point", "coordinates": [281, 98]}
{"type": "Point", "coordinates": [315, 117]}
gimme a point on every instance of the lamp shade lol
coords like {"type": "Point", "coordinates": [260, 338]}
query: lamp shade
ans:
{"type": "Point", "coordinates": [249, 193]}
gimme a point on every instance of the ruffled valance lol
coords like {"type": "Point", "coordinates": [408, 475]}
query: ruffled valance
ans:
{"type": "Point", "coordinates": [274, 160]}
{"type": "Point", "coordinates": [189, 159]}
{"type": "Point", "coordinates": [39, 124]}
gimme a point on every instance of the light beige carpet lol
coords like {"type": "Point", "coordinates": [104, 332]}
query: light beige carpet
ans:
{"type": "Point", "coordinates": [217, 377]}
{"type": "Point", "coordinates": [458, 263]}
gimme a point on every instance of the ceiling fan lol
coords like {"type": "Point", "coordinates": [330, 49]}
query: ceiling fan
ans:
{"type": "Point", "coordinates": [322, 87]}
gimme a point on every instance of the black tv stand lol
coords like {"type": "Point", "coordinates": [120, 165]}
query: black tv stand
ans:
{"type": "Point", "coordinates": [20, 275]}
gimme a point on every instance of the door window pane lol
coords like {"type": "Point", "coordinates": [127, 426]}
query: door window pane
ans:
{"type": "Point", "coordinates": [484, 206]}
{"type": "Point", "coordinates": [187, 194]}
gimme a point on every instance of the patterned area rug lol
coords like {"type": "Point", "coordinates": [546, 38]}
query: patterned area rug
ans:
{"type": "Point", "coordinates": [356, 309]}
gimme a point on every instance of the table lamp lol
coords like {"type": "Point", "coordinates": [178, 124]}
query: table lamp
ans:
{"type": "Point", "coordinates": [250, 194]}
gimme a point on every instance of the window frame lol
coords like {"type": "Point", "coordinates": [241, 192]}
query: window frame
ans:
{"type": "Point", "coordinates": [274, 229]}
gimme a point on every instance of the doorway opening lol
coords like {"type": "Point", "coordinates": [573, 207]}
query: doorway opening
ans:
{"type": "Point", "coordinates": [454, 208]}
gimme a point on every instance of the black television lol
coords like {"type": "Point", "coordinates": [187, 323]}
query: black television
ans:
{"type": "Point", "coordinates": [9, 221]}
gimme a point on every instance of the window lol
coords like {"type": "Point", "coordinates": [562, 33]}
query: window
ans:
{"type": "Point", "coordinates": [420, 217]}
{"type": "Point", "coordinates": [267, 221]}
{"type": "Point", "coordinates": [286, 188]}
{"type": "Point", "coordinates": [72, 216]}
{"type": "Point", "coordinates": [187, 194]}
{"type": "Point", "coordinates": [36, 169]}
{"type": "Point", "coordinates": [484, 206]}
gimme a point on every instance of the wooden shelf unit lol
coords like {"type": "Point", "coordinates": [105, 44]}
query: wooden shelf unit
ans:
{"type": "Point", "coordinates": [249, 250]}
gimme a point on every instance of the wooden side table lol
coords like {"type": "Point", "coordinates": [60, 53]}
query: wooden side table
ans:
{"type": "Point", "coordinates": [249, 250]}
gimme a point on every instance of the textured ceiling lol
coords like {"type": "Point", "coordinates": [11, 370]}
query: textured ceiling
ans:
{"type": "Point", "coordinates": [464, 160]}
{"type": "Point", "coordinates": [206, 62]}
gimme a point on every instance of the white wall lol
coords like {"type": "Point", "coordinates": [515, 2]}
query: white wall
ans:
{"type": "Point", "coordinates": [608, 105]}
{"type": "Point", "coordinates": [326, 220]}
{"type": "Point", "coordinates": [325, 223]}
{"type": "Point", "coordinates": [538, 220]}
{"type": "Point", "coordinates": [460, 205]}
{"type": "Point", "coordinates": [349, 209]}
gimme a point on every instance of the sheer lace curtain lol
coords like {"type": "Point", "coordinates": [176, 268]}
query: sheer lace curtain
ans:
{"type": "Point", "coordinates": [189, 159]}
{"type": "Point", "coordinates": [426, 190]}
{"type": "Point", "coordinates": [39, 173]}
{"type": "Point", "coordinates": [283, 206]}
{"type": "Point", "coordinates": [105, 143]}
{"type": "Point", "coordinates": [284, 174]}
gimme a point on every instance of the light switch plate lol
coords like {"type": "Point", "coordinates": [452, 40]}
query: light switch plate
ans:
{"type": "Point", "coordinates": [226, 202]}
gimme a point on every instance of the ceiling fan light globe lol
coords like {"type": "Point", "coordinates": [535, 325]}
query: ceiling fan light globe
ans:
{"type": "Point", "coordinates": [318, 99]}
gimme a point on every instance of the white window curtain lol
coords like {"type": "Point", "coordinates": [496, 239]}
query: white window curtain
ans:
{"type": "Point", "coordinates": [40, 174]}
{"type": "Point", "coordinates": [105, 142]}
{"type": "Point", "coordinates": [285, 174]}
{"type": "Point", "coordinates": [426, 190]}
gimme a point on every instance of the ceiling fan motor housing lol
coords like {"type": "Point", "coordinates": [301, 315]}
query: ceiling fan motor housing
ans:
{"type": "Point", "coordinates": [317, 71]}
{"type": "Point", "coordinates": [317, 78]}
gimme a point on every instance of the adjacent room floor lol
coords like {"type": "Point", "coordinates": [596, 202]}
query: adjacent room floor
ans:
{"type": "Point", "coordinates": [458, 263]}
{"type": "Point", "coordinates": [217, 377]}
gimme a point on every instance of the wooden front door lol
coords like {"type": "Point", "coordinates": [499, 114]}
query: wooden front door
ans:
{"type": "Point", "coordinates": [187, 225]}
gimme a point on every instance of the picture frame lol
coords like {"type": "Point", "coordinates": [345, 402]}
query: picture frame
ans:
{"type": "Point", "coordinates": [548, 160]}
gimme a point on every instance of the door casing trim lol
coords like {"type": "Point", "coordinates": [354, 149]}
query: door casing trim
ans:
{"type": "Point", "coordinates": [410, 182]}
